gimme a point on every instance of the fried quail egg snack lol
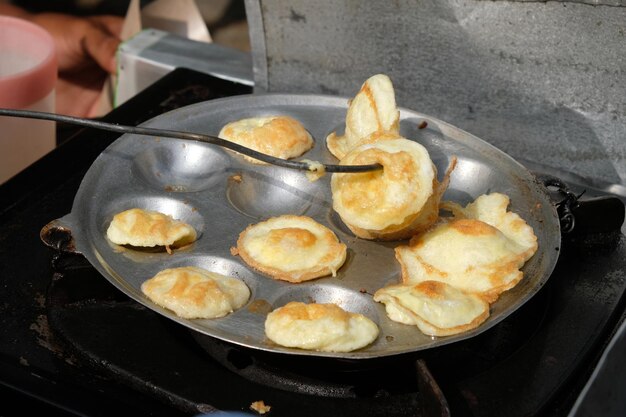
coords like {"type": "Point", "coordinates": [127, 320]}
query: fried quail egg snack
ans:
{"type": "Point", "coordinates": [492, 209]}
{"type": "Point", "coordinates": [395, 202]}
{"type": "Point", "coordinates": [372, 110]}
{"type": "Point", "coordinates": [145, 228]}
{"type": "Point", "coordinates": [436, 308]}
{"type": "Point", "coordinates": [320, 327]}
{"type": "Point", "coordinates": [280, 136]}
{"type": "Point", "coordinates": [195, 293]}
{"type": "Point", "coordinates": [469, 253]}
{"type": "Point", "coordinates": [291, 248]}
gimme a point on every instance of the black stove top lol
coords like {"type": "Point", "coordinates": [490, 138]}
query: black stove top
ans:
{"type": "Point", "coordinates": [72, 344]}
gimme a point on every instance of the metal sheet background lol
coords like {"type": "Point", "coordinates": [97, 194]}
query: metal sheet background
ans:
{"type": "Point", "coordinates": [544, 81]}
{"type": "Point", "coordinates": [194, 182]}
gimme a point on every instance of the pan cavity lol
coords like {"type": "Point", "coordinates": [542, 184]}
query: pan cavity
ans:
{"type": "Point", "coordinates": [272, 192]}
{"type": "Point", "coordinates": [350, 300]}
{"type": "Point", "coordinates": [469, 178]}
{"type": "Point", "coordinates": [181, 166]}
{"type": "Point", "coordinates": [176, 209]}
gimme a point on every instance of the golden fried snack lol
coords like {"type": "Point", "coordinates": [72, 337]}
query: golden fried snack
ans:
{"type": "Point", "coordinates": [492, 209]}
{"type": "Point", "coordinates": [372, 110]}
{"type": "Point", "coordinates": [393, 203]}
{"type": "Point", "coordinates": [436, 308]}
{"type": "Point", "coordinates": [320, 327]}
{"type": "Point", "coordinates": [291, 248]}
{"type": "Point", "coordinates": [260, 407]}
{"type": "Point", "coordinates": [195, 293]}
{"type": "Point", "coordinates": [280, 136]}
{"type": "Point", "coordinates": [469, 253]}
{"type": "Point", "coordinates": [145, 228]}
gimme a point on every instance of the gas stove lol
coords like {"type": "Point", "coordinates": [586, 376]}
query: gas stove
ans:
{"type": "Point", "coordinates": [72, 344]}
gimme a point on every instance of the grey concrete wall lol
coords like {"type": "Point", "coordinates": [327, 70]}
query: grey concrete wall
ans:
{"type": "Point", "coordinates": [543, 81]}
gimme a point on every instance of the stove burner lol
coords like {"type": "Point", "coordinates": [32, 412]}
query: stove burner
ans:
{"type": "Point", "coordinates": [377, 378]}
{"type": "Point", "coordinates": [316, 376]}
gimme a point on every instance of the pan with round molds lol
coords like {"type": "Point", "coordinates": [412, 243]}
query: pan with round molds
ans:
{"type": "Point", "coordinates": [220, 194]}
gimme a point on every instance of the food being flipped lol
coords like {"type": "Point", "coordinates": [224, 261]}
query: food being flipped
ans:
{"type": "Point", "coordinates": [145, 228]}
{"type": "Point", "coordinates": [395, 202]}
{"type": "Point", "coordinates": [291, 248]}
{"type": "Point", "coordinates": [436, 308]}
{"type": "Point", "coordinates": [320, 327]}
{"type": "Point", "coordinates": [280, 136]}
{"type": "Point", "coordinates": [372, 110]}
{"type": "Point", "coordinates": [493, 209]}
{"type": "Point", "coordinates": [195, 293]}
{"type": "Point", "coordinates": [316, 170]}
{"type": "Point", "coordinates": [480, 250]}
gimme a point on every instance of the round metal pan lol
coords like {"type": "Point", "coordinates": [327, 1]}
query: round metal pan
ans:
{"type": "Point", "coordinates": [219, 193]}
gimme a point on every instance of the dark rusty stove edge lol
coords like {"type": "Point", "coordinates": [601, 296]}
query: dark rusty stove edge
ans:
{"type": "Point", "coordinates": [434, 402]}
{"type": "Point", "coordinates": [58, 236]}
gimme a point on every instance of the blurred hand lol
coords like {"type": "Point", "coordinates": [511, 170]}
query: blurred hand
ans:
{"type": "Point", "coordinates": [86, 48]}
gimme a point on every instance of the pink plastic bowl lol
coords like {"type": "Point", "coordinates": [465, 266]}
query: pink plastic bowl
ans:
{"type": "Point", "coordinates": [28, 63]}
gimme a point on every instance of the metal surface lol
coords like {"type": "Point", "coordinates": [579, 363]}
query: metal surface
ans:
{"type": "Point", "coordinates": [541, 80]}
{"type": "Point", "coordinates": [194, 182]}
{"type": "Point", "coordinates": [186, 135]}
{"type": "Point", "coordinates": [152, 53]}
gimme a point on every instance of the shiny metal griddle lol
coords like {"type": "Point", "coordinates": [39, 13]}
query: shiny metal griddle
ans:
{"type": "Point", "coordinates": [219, 193]}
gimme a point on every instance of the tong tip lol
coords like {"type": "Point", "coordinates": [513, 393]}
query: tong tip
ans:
{"type": "Point", "coordinates": [319, 168]}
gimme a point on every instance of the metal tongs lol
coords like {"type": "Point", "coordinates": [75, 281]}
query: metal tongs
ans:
{"type": "Point", "coordinates": [96, 124]}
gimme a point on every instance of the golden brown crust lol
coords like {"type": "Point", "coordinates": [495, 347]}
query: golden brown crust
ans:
{"type": "Point", "coordinates": [280, 136]}
{"type": "Point", "coordinates": [323, 327]}
{"type": "Point", "coordinates": [260, 407]}
{"type": "Point", "coordinates": [360, 197]}
{"type": "Point", "coordinates": [493, 209]}
{"type": "Point", "coordinates": [427, 216]}
{"type": "Point", "coordinates": [438, 309]}
{"type": "Point", "coordinates": [147, 228]}
{"type": "Point", "coordinates": [302, 234]}
{"type": "Point", "coordinates": [481, 249]}
{"type": "Point", "coordinates": [405, 230]}
{"type": "Point", "coordinates": [313, 311]}
{"type": "Point", "coordinates": [437, 331]}
{"type": "Point", "coordinates": [372, 111]}
{"type": "Point", "coordinates": [494, 272]}
{"type": "Point", "coordinates": [193, 292]}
